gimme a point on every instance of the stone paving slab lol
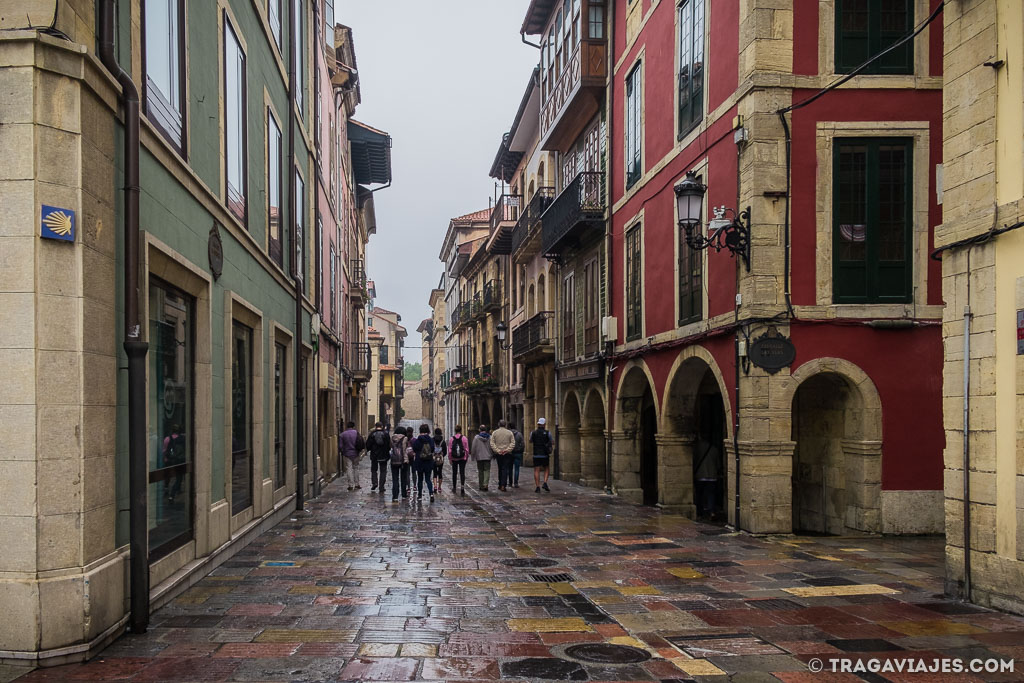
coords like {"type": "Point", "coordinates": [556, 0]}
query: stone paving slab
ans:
{"type": "Point", "coordinates": [359, 588]}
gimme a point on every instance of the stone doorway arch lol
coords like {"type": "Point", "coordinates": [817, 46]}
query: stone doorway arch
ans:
{"type": "Point", "coordinates": [695, 429]}
{"type": "Point", "coordinates": [634, 441]}
{"type": "Point", "coordinates": [592, 441]}
{"type": "Point", "coordinates": [569, 439]}
{"type": "Point", "coordinates": [837, 455]}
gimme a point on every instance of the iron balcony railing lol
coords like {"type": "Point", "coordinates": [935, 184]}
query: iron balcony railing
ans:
{"type": "Point", "coordinates": [532, 334]}
{"type": "Point", "coordinates": [492, 295]}
{"type": "Point", "coordinates": [506, 210]}
{"type": "Point", "coordinates": [358, 292]}
{"type": "Point", "coordinates": [477, 305]}
{"type": "Point", "coordinates": [529, 216]}
{"type": "Point", "coordinates": [358, 361]}
{"type": "Point", "coordinates": [581, 203]}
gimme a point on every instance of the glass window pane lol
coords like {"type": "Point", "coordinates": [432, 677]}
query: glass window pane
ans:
{"type": "Point", "coordinates": [851, 211]}
{"type": "Point", "coordinates": [300, 224]}
{"type": "Point", "coordinates": [298, 48]}
{"type": "Point", "coordinates": [280, 415]}
{"type": "Point", "coordinates": [234, 120]}
{"type": "Point", "coordinates": [275, 22]}
{"type": "Point", "coordinates": [241, 418]}
{"type": "Point", "coordinates": [171, 419]}
{"type": "Point", "coordinates": [274, 186]}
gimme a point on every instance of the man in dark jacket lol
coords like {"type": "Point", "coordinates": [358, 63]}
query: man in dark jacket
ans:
{"type": "Point", "coordinates": [542, 446]}
{"type": "Point", "coordinates": [423, 462]}
{"type": "Point", "coordinates": [378, 443]}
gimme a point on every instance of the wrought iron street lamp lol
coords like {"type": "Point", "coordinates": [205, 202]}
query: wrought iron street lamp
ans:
{"type": "Point", "coordinates": [502, 329]}
{"type": "Point", "coordinates": [722, 233]}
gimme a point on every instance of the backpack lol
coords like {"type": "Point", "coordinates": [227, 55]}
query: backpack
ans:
{"type": "Point", "coordinates": [458, 449]}
{"type": "Point", "coordinates": [380, 444]}
{"type": "Point", "coordinates": [360, 444]}
{"type": "Point", "coordinates": [520, 445]}
{"type": "Point", "coordinates": [426, 450]}
{"type": "Point", "coordinates": [397, 453]}
{"type": "Point", "coordinates": [175, 450]}
{"type": "Point", "coordinates": [438, 452]}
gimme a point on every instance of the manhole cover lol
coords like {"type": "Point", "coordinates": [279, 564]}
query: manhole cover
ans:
{"type": "Point", "coordinates": [535, 562]}
{"type": "Point", "coordinates": [549, 668]}
{"type": "Point", "coordinates": [553, 578]}
{"type": "Point", "coordinates": [603, 653]}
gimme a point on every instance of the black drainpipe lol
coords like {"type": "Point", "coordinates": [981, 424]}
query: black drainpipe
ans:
{"type": "Point", "coordinates": [135, 348]}
{"type": "Point", "coordinates": [300, 389]}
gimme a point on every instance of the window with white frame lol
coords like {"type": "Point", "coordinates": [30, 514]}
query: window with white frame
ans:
{"type": "Point", "coordinates": [234, 122]}
{"type": "Point", "coordinates": [634, 168]}
{"type": "Point", "coordinates": [691, 64]}
{"type": "Point", "coordinates": [163, 40]}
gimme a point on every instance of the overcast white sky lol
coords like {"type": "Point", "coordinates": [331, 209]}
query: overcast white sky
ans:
{"type": "Point", "coordinates": [445, 79]}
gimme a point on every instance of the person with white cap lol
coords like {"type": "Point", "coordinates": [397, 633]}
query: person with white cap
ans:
{"type": "Point", "coordinates": [542, 446]}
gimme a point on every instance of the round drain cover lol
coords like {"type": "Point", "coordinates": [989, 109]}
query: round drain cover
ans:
{"type": "Point", "coordinates": [529, 562]}
{"type": "Point", "coordinates": [603, 653]}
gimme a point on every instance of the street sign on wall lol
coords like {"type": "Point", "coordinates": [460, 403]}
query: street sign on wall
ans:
{"type": "Point", "coordinates": [772, 351]}
{"type": "Point", "coordinates": [57, 224]}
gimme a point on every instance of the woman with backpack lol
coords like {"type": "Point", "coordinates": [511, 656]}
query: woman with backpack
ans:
{"type": "Point", "coordinates": [423, 463]}
{"type": "Point", "coordinates": [440, 453]}
{"type": "Point", "coordinates": [458, 454]}
{"type": "Point", "coordinates": [399, 464]}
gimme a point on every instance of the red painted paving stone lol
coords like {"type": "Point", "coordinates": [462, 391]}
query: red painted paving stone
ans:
{"type": "Point", "coordinates": [443, 579]}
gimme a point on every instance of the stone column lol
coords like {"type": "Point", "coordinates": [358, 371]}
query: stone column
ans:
{"type": "Point", "coordinates": [766, 489]}
{"type": "Point", "coordinates": [863, 465]}
{"type": "Point", "coordinates": [592, 457]}
{"type": "Point", "coordinates": [675, 473]}
{"type": "Point", "coordinates": [626, 466]}
{"type": "Point", "coordinates": [569, 453]}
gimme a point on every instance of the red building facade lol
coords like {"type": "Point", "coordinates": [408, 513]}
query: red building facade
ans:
{"type": "Point", "coordinates": [843, 198]}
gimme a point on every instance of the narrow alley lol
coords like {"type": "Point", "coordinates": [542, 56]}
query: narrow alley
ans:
{"type": "Point", "coordinates": [567, 585]}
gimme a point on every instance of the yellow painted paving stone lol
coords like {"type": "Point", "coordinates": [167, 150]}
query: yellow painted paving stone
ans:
{"type": "Point", "coordinates": [698, 667]}
{"type": "Point", "coordinates": [211, 590]}
{"type": "Point", "coordinates": [838, 591]}
{"type": "Point", "coordinates": [468, 573]}
{"type": "Point", "coordinates": [628, 640]}
{"type": "Point", "coordinates": [192, 600]}
{"type": "Point", "coordinates": [595, 584]}
{"type": "Point", "coordinates": [607, 599]}
{"type": "Point", "coordinates": [830, 558]}
{"type": "Point", "coordinates": [563, 588]}
{"type": "Point", "coordinates": [637, 541]}
{"type": "Point", "coordinates": [934, 627]}
{"type": "Point", "coordinates": [638, 590]}
{"type": "Point", "coordinates": [854, 550]}
{"type": "Point", "coordinates": [314, 590]}
{"type": "Point", "coordinates": [606, 533]}
{"type": "Point", "coordinates": [534, 591]}
{"type": "Point", "coordinates": [556, 625]}
{"type": "Point", "coordinates": [685, 573]}
{"type": "Point", "coordinates": [419, 650]}
{"type": "Point", "coordinates": [284, 635]}
{"type": "Point", "coordinates": [378, 650]}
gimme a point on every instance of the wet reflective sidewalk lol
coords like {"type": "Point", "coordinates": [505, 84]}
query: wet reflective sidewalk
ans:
{"type": "Point", "coordinates": [567, 585]}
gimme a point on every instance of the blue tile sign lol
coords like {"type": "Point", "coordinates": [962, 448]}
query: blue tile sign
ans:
{"type": "Point", "coordinates": [57, 224]}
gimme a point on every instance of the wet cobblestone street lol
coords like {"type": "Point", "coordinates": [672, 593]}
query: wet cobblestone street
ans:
{"type": "Point", "coordinates": [503, 586]}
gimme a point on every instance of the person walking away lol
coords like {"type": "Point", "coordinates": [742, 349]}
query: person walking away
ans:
{"type": "Point", "coordinates": [440, 453]}
{"type": "Point", "coordinates": [542, 445]}
{"type": "Point", "coordinates": [502, 443]}
{"type": "Point", "coordinates": [351, 445]}
{"type": "Point", "coordinates": [423, 464]}
{"type": "Point", "coordinates": [458, 454]}
{"type": "Point", "coordinates": [174, 454]}
{"type": "Point", "coordinates": [399, 465]}
{"type": "Point", "coordinates": [481, 454]}
{"type": "Point", "coordinates": [378, 443]}
{"type": "Point", "coordinates": [517, 456]}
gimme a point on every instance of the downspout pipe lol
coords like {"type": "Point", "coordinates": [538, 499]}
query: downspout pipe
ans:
{"type": "Point", "coordinates": [134, 346]}
{"type": "Point", "coordinates": [608, 244]}
{"type": "Point", "coordinates": [967, 435]}
{"type": "Point", "coordinates": [300, 388]}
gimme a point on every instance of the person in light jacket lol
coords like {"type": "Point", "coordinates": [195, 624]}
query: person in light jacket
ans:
{"type": "Point", "coordinates": [481, 454]}
{"type": "Point", "coordinates": [351, 445]}
{"type": "Point", "coordinates": [502, 443]}
{"type": "Point", "coordinates": [458, 455]}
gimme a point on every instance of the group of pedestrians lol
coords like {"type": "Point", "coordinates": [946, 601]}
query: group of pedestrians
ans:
{"type": "Point", "coordinates": [419, 459]}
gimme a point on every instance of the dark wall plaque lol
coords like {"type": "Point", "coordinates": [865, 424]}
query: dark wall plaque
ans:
{"type": "Point", "coordinates": [772, 351]}
{"type": "Point", "coordinates": [215, 252]}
